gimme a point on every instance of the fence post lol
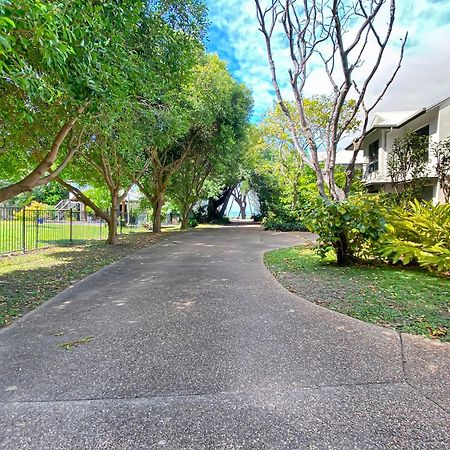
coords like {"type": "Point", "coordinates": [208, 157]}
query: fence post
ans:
{"type": "Point", "coordinates": [37, 229]}
{"type": "Point", "coordinates": [24, 241]}
{"type": "Point", "coordinates": [71, 225]}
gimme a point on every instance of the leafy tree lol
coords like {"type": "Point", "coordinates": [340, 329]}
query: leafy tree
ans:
{"type": "Point", "coordinates": [71, 64]}
{"type": "Point", "coordinates": [213, 120]}
{"type": "Point", "coordinates": [49, 194]}
{"type": "Point", "coordinates": [356, 223]}
{"type": "Point", "coordinates": [276, 126]}
{"type": "Point", "coordinates": [165, 157]}
{"type": "Point", "coordinates": [112, 158]}
{"type": "Point", "coordinates": [441, 152]}
{"type": "Point", "coordinates": [113, 155]}
{"type": "Point", "coordinates": [280, 175]}
{"type": "Point", "coordinates": [236, 167]}
{"type": "Point", "coordinates": [187, 185]}
{"type": "Point", "coordinates": [79, 56]}
{"type": "Point", "coordinates": [119, 62]}
{"type": "Point", "coordinates": [281, 178]}
{"type": "Point", "coordinates": [99, 195]}
{"type": "Point", "coordinates": [240, 196]}
{"type": "Point", "coordinates": [407, 165]}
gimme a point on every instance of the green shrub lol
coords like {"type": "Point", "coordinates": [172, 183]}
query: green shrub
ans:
{"type": "Point", "coordinates": [221, 221]}
{"type": "Point", "coordinates": [192, 223]}
{"type": "Point", "coordinates": [418, 233]}
{"type": "Point", "coordinates": [359, 219]}
{"type": "Point", "coordinates": [273, 223]}
{"type": "Point", "coordinates": [32, 211]}
{"type": "Point", "coordinates": [257, 217]}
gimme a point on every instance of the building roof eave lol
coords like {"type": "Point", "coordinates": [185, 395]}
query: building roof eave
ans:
{"type": "Point", "coordinates": [390, 126]}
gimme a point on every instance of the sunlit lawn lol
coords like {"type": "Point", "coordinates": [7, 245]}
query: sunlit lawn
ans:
{"type": "Point", "coordinates": [47, 234]}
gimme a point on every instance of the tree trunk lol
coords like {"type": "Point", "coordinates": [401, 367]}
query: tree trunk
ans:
{"type": "Point", "coordinates": [222, 202]}
{"type": "Point", "coordinates": [38, 176]}
{"type": "Point", "coordinates": [243, 207]}
{"type": "Point", "coordinates": [112, 225]}
{"type": "Point", "coordinates": [157, 209]}
{"type": "Point", "coordinates": [225, 204]}
{"type": "Point", "coordinates": [344, 255]}
{"type": "Point", "coordinates": [211, 209]}
{"type": "Point", "coordinates": [185, 217]}
{"type": "Point", "coordinates": [112, 231]}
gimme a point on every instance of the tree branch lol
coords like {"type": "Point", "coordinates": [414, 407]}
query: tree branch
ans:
{"type": "Point", "coordinates": [37, 176]}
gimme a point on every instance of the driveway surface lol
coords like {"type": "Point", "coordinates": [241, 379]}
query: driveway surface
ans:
{"type": "Point", "coordinates": [195, 345]}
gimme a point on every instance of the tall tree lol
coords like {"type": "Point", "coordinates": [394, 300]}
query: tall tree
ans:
{"type": "Point", "coordinates": [70, 62]}
{"type": "Point", "coordinates": [187, 185]}
{"type": "Point", "coordinates": [77, 56]}
{"type": "Point", "coordinates": [112, 157]}
{"type": "Point", "coordinates": [338, 38]}
{"type": "Point", "coordinates": [240, 196]}
{"type": "Point", "coordinates": [215, 111]}
{"type": "Point", "coordinates": [158, 51]}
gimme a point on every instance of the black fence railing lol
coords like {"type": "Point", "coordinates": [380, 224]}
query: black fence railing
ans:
{"type": "Point", "coordinates": [24, 229]}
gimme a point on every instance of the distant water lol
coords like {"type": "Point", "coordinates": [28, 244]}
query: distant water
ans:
{"type": "Point", "coordinates": [234, 211]}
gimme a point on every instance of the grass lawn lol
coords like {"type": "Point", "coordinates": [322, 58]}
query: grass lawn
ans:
{"type": "Point", "coordinates": [47, 234]}
{"type": "Point", "coordinates": [27, 280]}
{"type": "Point", "coordinates": [407, 300]}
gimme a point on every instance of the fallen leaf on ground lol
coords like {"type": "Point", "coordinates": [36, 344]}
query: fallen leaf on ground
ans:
{"type": "Point", "coordinates": [75, 343]}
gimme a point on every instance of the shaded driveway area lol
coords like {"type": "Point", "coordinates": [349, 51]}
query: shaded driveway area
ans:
{"type": "Point", "coordinates": [196, 346]}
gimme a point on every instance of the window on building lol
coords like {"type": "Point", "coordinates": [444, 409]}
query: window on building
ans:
{"type": "Point", "coordinates": [428, 193]}
{"type": "Point", "coordinates": [373, 156]}
{"type": "Point", "coordinates": [424, 131]}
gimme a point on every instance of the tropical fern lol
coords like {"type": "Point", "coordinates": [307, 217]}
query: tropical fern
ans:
{"type": "Point", "coordinates": [419, 233]}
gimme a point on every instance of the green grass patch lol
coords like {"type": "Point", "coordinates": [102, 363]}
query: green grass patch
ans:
{"type": "Point", "coordinates": [27, 280]}
{"type": "Point", "coordinates": [407, 300]}
{"type": "Point", "coordinates": [50, 233]}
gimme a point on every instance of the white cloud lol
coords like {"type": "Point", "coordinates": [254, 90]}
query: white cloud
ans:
{"type": "Point", "coordinates": [423, 78]}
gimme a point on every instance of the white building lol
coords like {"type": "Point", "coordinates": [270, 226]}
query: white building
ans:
{"type": "Point", "coordinates": [343, 159]}
{"type": "Point", "coordinates": [433, 121]}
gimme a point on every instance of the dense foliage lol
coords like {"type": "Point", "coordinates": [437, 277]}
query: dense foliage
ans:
{"type": "Point", "coordinates": [284, 184]}
{"type": "Point", "coordinates": [417, 234]}
{"type": "Point", "coordinates": [407, 165]}
{"type": "Point", "coordinates": [273, 223]}
{"type": "Point", "coordinates": [359, 220]}
{"type": "Point", "coordinates": [360, 227]}
{"type": "Point", "coordinates": [441, 153]}
{"type": "Point", "coordinates": [213, 146]}
{"type": "Point", "coordinates": [110, 94]}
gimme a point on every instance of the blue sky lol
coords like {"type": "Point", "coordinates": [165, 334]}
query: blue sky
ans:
{"type": "Point", "coordinates": [424, 77]}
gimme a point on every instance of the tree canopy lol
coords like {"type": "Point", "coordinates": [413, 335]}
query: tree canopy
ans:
{"type": "Point", "coordinates": [63, 63]}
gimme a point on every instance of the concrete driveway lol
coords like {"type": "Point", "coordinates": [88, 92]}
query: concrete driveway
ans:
{"type": "Point", "coordinates": [195, 345]}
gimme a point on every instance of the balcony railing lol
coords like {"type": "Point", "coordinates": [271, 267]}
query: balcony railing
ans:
{"type": "Point", "coordinates": [371, 168]}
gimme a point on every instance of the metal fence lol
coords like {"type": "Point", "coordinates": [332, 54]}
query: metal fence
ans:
{"type": "Point", "coordinates": [23, 229]}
